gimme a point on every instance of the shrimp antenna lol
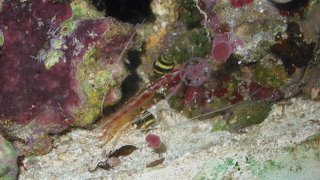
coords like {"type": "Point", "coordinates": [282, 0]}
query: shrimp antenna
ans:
{"type": "Point", "coordinates": [120, 57]}
{"type": "Point", "coordinates": [206, 114]}
{"type": "Point", "coordinates": [131, 39]}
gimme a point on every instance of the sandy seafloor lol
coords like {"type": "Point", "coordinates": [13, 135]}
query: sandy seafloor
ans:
{"type": "Point", "coordinates": [193, 152]}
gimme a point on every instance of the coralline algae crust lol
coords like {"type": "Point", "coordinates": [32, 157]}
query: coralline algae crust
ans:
{"type": "Point", "coordinates": [48, 82]}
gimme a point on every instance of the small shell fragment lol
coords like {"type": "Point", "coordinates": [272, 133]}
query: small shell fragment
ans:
{"type": "Point", "coordinates": [155, 162]}
{"type": "Point", "coordinates": [123, 151]}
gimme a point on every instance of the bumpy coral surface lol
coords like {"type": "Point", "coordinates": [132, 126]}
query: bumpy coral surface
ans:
{"type": "Point", "coordinates": [58, 62]}
{"type": "Point", "coordinates": [251, 52]}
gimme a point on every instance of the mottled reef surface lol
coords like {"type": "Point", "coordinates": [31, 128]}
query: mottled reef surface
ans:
{"type": "Point", "coordinates": [199, 89]}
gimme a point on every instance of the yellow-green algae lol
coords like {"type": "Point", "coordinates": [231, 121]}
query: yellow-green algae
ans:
{"type": "Point", "coordinates": [1, 39]}
{"type": "Point", "coordinates": [96, 79]}
{"type": "Point", "coordinates": [94, 82]}
{"type": "Point", "coordinates": [192, 43]}
{"type": "Point", "coordinates": [81, 10]}
{"type": "Point", "coordinates": [273, 75]}
{"type": "Point", "coordinates": [189, 14]}
{"type": "Point", "coordinates": [8, 156]}
{"type": "Point", "coordinates": [53, 57]}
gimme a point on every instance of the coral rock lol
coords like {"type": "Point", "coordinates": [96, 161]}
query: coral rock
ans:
{"type": "Point", "coordinates": [58, 61]}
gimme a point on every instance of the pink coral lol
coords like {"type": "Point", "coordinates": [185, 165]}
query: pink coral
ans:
{"type": "Point", "coordinates": [153, 141]}
{"type": "Point", "coordinates": [221, 51]}
{"type": "Point", "coordinates": [223, 45]}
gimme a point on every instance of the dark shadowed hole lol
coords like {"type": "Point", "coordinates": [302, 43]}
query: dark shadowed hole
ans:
{"type": "Point", "coordinates": [131, 11]}
{"type": "Point", "coordinates": [130, 85]}
{"type": "Point", "coordinates": [292, 7]}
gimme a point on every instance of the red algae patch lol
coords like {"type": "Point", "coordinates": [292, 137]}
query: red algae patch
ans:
{"type": "Point", "coordinates": [29, 90]}
{"type": "Point", "coordinates": [240, 3]}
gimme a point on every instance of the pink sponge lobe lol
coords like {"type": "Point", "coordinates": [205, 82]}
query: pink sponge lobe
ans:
{"type": "Point", "coordinates": [221, 51]}
{"type": "Point", "coordinates": [153, 141]}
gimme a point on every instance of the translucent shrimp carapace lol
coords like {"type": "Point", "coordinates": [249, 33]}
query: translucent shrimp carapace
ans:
{"type": "Point", "coordinates": [144, 99]}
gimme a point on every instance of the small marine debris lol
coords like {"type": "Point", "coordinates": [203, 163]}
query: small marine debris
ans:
{"type": "Point", "coordinates": [155, 162]}
{"type": "Point", "coordinates": [113, 159]}
{"type": "Point", "coordinates": [101, 164]}
{"type": "Point", "coordinates": [125, 150]}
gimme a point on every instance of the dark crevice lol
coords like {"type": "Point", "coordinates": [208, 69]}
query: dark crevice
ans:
{"type": "Point", "coordinates": [292, 49]}
{"type": "Point", "coordinates": [131, 83]}
{"type": "Point", "coordinates": [292, 7]}
{"type": "Point", "coordinates": [131, 11]}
